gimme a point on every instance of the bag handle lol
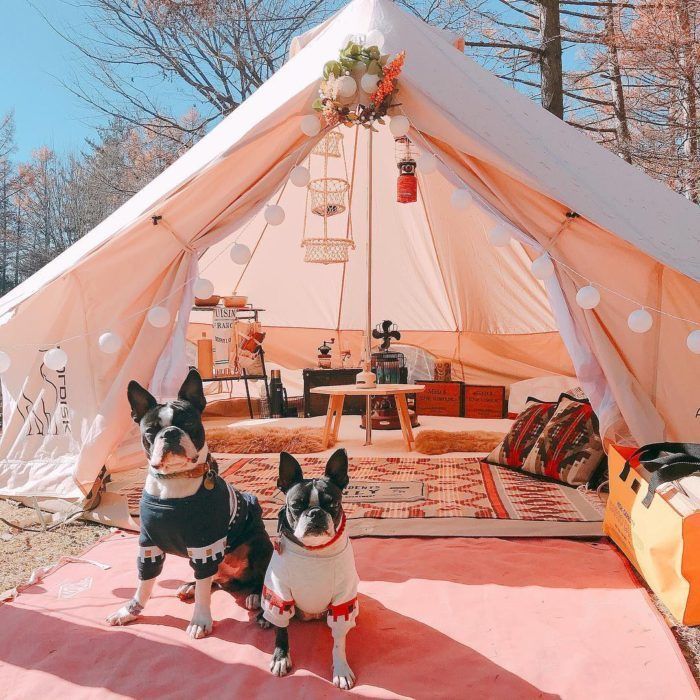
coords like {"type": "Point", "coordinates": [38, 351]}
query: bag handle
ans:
{"type": "Point", "coordinates": [683, 460]}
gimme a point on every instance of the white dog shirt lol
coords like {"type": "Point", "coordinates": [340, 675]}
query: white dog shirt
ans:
{"type": "Point", "coordinates": [313, 581]}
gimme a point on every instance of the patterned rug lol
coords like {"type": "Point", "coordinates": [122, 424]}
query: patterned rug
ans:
{"type": "Point", "coordinates": [443, 496]}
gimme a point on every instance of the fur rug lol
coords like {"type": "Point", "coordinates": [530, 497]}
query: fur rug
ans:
{"type": "Point", "coordinates": [265, 440]}
{"type": "Point", "coordinates": [438, 442]}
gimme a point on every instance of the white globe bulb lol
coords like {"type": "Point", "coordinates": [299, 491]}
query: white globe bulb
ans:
{"type": "Point", "coordinates": [310, 125]}
{"type": "Point", "coordinates": [274, 214]}
{"type": "Point", "coordinates": [300, 176]}
{"type": "Point", "coordinates": [55, 359]}
{"type": "Point", "coordinates": [109, 343]}
{"type": "Point", "coordinates": [203, 288]}
{"type": "Point", "coordinates": [399, 126]}
{"type": "Point", "coordinates": [426, 162]}
{"type": "Point", "coordinates": [159, 316]}
{"type": "Point", "coordinates": [369, 82]}
{"type": "Point", "coordinates": [542, 267]}
{"type": "Point", "coordinates": [588, 297]}
{"type": "Point", "coordinates": [499, 236]}
{"type": "Point", "coordinates": [640, 321]}
{"type": "Point", "coordinates": [6, 361]}
{"type": "Point", "coordinates": [347, 86]}
{"type": "Point", "coordinates": [375, 38]}
{"type": "Point", "coordinates": [461, 198]}
{"type": "Point", "coordinates": [240, 254]}
{"type": "Point", "coordinates": [692, 341]}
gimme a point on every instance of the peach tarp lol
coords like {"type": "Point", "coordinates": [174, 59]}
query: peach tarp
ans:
{"type": "Point", "coordinates": [439, 618]}
{"type": "Point", "coordinates": [435, 273]}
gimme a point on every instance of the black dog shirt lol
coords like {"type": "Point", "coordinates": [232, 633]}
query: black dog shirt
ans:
{"type": "Point", "coordinates": [202, 527]}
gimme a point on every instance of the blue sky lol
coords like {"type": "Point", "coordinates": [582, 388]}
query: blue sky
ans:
{"type": "Point", "coordinates": [33, 59]}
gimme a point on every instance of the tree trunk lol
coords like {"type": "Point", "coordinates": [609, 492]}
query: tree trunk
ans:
{"type": "Point", "coordinates": [616, 87]}
{"type": "Point", "coordinates": [690, 106]}
{"type": "Point", "coordinates": [552, 89]}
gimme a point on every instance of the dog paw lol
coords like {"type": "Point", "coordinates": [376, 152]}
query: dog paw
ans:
{"type": "Point", "coordinates": [186, 591]}
{"type": "Point", "coordinates": [343, 677]}
{"type": "Point", "coordinates": [262, 622]}
{"type": "Point", "coordinates": [121, 617]}
{"type": "Point", "coordinates": [200, 626]}
{"type": "Point", "coordinates": [252, 602]}
{"type": "Point", "coordinates": [281, 663]}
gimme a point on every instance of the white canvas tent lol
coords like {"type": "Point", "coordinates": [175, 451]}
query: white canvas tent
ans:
{"type": "Point", "coordinates": [435, 273]}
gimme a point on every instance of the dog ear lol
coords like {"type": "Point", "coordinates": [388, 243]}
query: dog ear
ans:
{"type": "Point", "coordinates": [140, 400]}
{"type": "Point", "coordinates": [193, 391]}
{"type": "Point", "coordinates": [337, 469]}
{"type": "Point", "coordinates": [290, 472]}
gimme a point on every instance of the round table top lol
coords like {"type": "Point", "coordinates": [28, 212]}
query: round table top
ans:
{"type": "Point", "coordinates": [378, 390]}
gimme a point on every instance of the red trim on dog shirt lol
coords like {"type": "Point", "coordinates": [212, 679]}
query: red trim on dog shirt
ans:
{"type": "Point", "coordinates": [342, 610]}
{"type": "Point", "coordinates": [336, 537]}
{"type": "Point", "coordinates": [274, 601]}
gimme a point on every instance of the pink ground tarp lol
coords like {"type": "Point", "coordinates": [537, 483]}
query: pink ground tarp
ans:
{"type": "Point", "coordinates": [440, 618]}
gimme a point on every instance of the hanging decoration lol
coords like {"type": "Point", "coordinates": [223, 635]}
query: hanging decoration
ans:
{"type": "Point", "coordinates": [427, 162]}
{"type": "Point", "coordinates": [588, 297]}
{"type": "Point", "coordinates": [461, 198]}
{"type": "Point", "coordinates": [407, 182]}
{"type": "Point", "coordinates": [109, 343]}
{"type": "Point", "coordinates": [56, 359]}
{"type": "Point", "coordinates": [5, 362]}
{"type": "Point", "coordinates": [640, 321]}
{"type": "Point", "coordinates": [326, 198]}
{"type": "Point", "coordinates": [299, 176]}
{"type": "Point", "coordinates": [240, 254]}
{"type": "Point", "coordinates": [310, 125]}
{"type": "Point", "coordinates": [203, 288]}
{"type": "Point", "coordinates": [542, 267]}
{"type": "Point", "coordinates": [693, 342]}
{"type": "Point", "coordinates": [158, 316]}
{"type": "Point", "coordinates": [274, 214]}
{"type": "Point", "coordinates": [360, 64]}
{"type": "Point", "coordinates": [499, 236]}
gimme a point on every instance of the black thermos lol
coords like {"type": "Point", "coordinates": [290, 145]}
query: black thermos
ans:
{"type": "Point", "coordinates": [278, 395]}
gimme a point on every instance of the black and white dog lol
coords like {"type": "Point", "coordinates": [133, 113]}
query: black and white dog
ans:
{"type": "Point", "coordinates": [312, 572]}
{"type": "Point", "coordinates": [188, 510]}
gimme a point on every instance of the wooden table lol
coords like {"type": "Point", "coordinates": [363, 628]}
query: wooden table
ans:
{"type": "Point", "coordinates": [337, 396]}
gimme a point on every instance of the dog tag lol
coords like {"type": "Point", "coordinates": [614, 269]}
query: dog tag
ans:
{"type": "Point", "coordinates": [209, 481]}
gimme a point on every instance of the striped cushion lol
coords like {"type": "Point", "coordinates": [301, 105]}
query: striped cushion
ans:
{"type": "Point", "coordinates": [523, 434]}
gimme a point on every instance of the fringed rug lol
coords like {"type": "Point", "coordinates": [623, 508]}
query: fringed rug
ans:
{"type": "Point", "coordinates": [427, 496]}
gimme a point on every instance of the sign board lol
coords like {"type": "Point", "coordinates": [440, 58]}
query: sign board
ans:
{"type": "Point", "coordinates": [223, 323]}
{"type": "Point", "coordinates": [484, 401]}
{"type": "Point", "coordinates": [440, 399]}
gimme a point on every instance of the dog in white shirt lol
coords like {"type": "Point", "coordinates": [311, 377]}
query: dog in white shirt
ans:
{"type": "Point", "coordinates": [312, 572]}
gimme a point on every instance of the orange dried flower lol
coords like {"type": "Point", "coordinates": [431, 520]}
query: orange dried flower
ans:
{"type": "Point", "coordinates": [387, 84]}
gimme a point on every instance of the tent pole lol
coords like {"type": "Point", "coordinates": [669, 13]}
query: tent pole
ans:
{"type": "Point", "coordinates": [368, 329]}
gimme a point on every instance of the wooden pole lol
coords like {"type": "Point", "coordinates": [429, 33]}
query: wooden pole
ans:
{"type": "Point", "coordinates": [368, 328]}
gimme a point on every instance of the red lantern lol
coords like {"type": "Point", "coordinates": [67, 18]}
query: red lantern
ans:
{"type": "Point", "coordinates": [407, 182]}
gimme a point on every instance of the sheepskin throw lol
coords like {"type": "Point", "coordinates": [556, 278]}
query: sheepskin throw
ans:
{"type": "Point", "coordinates": [264, 440]}
{"type": "Point", "coordinates": [438, 442]}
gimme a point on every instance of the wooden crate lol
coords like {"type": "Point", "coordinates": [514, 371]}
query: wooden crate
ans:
{"type": "Point", "coordinates": [484, 401]}
{"type": "Point", "coordinates": [440, 399]}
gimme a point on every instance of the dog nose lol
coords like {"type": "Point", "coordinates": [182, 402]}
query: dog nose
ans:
{"type": "Point", "coordinates": [171, 434]}
{"type": "Point", "coordinates": [314, 512]}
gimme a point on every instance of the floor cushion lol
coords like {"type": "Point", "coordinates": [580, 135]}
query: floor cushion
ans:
{"type": "Point", "coordinates": [569, 448]}
{"type": "Point", "coordinates": [523, 434]}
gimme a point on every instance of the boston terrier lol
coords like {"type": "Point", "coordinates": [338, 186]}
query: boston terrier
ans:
{"type": "Point", "coordinates": [312, 571]}
{"type": "Point", "coordinates": [188, 510]}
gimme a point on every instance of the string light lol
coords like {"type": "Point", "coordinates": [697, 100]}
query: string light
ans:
{"type": "Point", "coordinates": [158, 316]}
{"type": "Point", "coordinates": [5, 362]}
{"type": "Point", "coordinates": [588, 297]}
{"type": "Point", "coordinates": [240, 254]}
{"type": "Point", "coordinates": [300, 176]}
{"type": "Point", "coordinates": [693, 342]}
{"type": "Point", "coordinates": [310, 125]}
{"type": "Point", "coordinates": [203, 288]}
{"type": "Point", "coordinates": [56, 359]}
{"type": "Point", "coordinates": [399, 126]}
{"type": "Point", "coordinates": [461, 198]}
{"type": "Point", "coordinates": [499, 236]}
{"type": "Point", "coordinates": [369, 82]}
{"type": "Point", "coordinates": [426, 162]}
{"type": "Point", "coordinates": [274, 214]}
{"type": "Point", "coordinates": [640, 321]}
{"type": "Point", "coordinates": [109, 343]}
{"type": "Point", "coordinates": [542, 267]}
{"type": "Point", "coordinates": [347, 86]}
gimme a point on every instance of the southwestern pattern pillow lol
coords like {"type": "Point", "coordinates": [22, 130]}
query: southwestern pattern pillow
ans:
{"type": "Point", "coordinates": [569, 449]}
{"type": "Point", "coordinates": [523, 434]}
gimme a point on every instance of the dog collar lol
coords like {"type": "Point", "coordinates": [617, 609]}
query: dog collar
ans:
{"type": "Point", "coordinates": [338, 534]}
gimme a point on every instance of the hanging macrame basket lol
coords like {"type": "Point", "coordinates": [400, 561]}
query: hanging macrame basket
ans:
{"type": "Point", "coordinates": [329, 146]}
{"type": "Point", "coordinates": [328, 195]}
{"type": "Point", "coordinates": [327, 251]}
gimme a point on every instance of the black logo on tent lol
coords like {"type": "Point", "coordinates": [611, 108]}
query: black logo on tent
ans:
{"type": "Point", "coordinates": [47, 413]}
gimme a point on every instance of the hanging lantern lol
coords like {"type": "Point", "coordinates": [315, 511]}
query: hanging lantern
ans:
{"type": "Point", "coordinates": [407, 182]}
